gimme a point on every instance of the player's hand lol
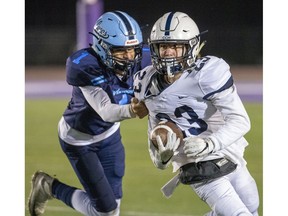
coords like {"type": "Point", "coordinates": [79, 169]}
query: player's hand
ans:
{"type": "Point", "coordinates": [166, 152]}
{"type": "Point", "coordinates": [138, 108]}
{"type": "Point", "coordinates": [197, 147]}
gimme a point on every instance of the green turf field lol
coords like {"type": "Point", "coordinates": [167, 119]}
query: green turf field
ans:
{"type": "Point", "coordinates": [142, 181]}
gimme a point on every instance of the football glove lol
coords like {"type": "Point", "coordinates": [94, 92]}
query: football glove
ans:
{"type": "Point", "coordinates": [166, 152]}
{"type": "Point", "coordinates": [197, 147]}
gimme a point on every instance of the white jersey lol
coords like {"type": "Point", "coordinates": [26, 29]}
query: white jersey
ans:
{"type": "Point", "coordinates": [202, 102]}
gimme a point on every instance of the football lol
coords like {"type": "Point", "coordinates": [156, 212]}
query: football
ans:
{"type": "Point", "coordinates": [162, 129]}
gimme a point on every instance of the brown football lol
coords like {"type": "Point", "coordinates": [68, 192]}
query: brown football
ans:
{"type": "Point", "coordinates": [162, 129]}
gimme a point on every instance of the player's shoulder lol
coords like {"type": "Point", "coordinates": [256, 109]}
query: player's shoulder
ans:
{"type": "Point", "coordinates": [82, 67]}
{"type": "Point", "coordinates": [83, 59]}
{"type": "Point", "coordinates": [211, 63]}
{"type": "Point", "coordinates": [144, 74]}
{"type": "Point", "coordinates": [210, 67]}
{"type": "Point", "coordinates": [212, 73]}
{"type": "Point", "coordinates": [142, 81]}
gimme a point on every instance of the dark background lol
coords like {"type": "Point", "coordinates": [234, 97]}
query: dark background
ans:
{"type": "Point", "coordinates": [235, 27]}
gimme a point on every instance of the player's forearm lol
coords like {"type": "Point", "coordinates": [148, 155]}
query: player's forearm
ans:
{"type": "Point", "coordinates": [101, 103]}
{"type": "Point", "coordinates": [115, 113]}
{"type": "Point", "coordinates": [234, 128]}
{"type": "Point", "coordinates": [237, 122]}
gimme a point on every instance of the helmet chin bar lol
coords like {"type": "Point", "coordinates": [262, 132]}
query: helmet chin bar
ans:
{"type": "Point", "coordinates": [125, 67]}
{"type": "Point", "coordinates": [169, 73]}
{"type": "Point", "coordinates": [169, 67]}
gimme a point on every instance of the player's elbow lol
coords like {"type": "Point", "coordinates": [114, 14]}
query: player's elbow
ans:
{"type": "Point", "coordinates": [246, 125]}
{"type": "Point", "coordinates": [107, 118]}
{"type": "Point", "coordinates": [241, 123]}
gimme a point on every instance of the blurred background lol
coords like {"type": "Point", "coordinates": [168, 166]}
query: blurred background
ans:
{"type": "Point", "coordinates": [53, 29]}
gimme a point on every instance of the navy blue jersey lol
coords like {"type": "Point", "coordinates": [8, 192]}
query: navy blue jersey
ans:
{"type": "Point", "coordinates": [84, 69]}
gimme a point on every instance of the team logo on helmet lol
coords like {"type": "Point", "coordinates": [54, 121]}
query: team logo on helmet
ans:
{"type": "Point", "coordinates": [100, 31]}
{"type": "Point", "coordinates": [165, 37]}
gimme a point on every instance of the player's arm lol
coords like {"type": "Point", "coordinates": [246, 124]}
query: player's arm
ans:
{"type": "Point", "coordinates": [101, 103]}
{"type": "Point", "coordinates": [236, 125]}
{"type": "Point", "coordinates": [237, 122]}
{"type": "Point", "coordinates": [217, 85]}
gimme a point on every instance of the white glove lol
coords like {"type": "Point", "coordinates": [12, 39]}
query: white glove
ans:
{"type": "Point", "coordinates": [197, 147]}
{"type": "Point", "coordinates": [167, 152]}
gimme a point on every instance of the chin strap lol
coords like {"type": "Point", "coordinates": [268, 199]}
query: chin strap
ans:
{"type": "Point", "coordinates": [202, 44]}
{"type": "Point", "coordinates": [200, 47]}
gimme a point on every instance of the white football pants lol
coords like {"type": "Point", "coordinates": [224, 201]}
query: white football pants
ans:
{"type": "Point", "coordinates": [235, 194]}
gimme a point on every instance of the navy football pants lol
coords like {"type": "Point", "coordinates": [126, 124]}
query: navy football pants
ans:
{"type": "Point", "coordinates": [100, 167]}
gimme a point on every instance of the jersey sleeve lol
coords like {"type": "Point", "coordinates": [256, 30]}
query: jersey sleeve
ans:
{"type": "Point", "coordinates": [141, 82]}
{"type": "Point", "coordinates": [216, 83]}
{"type": "Point", "coordinates": [82, 69]}
{"type": "Point", "coordinates": [214, 76]}
{"type": "Point", "coordinates": [101, 103]}
{"type": "Point", "coordinates": [237, 122]}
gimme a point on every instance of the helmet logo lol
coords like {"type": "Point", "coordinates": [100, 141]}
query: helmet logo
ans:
{"type": "Point", "coordinates": [101, 32]}
{"type": "Point", "coordinates": [131, 42]}
{"type": "Point", "coordinates": [164, 37]}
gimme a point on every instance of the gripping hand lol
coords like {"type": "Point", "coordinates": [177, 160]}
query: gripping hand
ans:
{"type": "Point", "coordinates": [166, 152]}
{"type": "Point", "coordinates": [197, 147]}
{"type": "Point", "coordinates": [138, 108]}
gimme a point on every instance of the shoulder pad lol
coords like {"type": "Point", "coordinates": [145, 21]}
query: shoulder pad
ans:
{"type": "Point", "coordinates": [214, 75]}
{"type": "Point", "coordinates": [82, 68]}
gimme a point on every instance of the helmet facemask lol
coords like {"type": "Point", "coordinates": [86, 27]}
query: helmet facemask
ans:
{"type": "Point", "coordinates": [126, 67]}
{"type": "Point", "coordinates": [171, 66]}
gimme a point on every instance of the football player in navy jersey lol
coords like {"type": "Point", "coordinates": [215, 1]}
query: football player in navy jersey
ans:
{"type": "Point", "coordinates": [199, 95]}
{"type": "Point", "coordinates": [102, 80]}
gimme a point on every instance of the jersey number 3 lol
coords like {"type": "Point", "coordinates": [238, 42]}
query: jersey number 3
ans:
{"type": "Point", "coordinates": [194, 130]}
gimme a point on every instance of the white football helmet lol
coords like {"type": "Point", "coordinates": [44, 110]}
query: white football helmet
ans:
{"type": "Point", "coordinates": [179, 29]}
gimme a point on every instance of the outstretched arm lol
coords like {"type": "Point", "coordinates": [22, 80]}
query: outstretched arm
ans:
{"type": "Point", "coordinates": [101, 103]}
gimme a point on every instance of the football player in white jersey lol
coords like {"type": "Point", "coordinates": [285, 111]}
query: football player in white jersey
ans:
{"type": "Point", "coordinates": [199, 95]}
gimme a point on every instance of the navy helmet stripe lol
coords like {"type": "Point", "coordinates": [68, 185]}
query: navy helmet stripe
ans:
{"type": "Point", "coordinates": [126, 23]}
{"type": "Point", "coordinates": [168, 23]}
